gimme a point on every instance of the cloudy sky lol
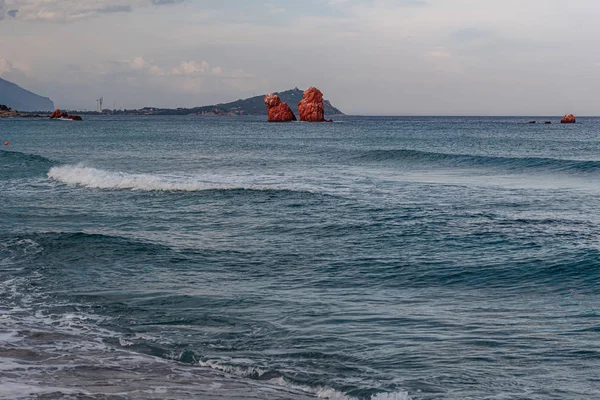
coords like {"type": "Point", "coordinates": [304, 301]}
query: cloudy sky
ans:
{"type": "Point", "coordinates": [392, 57]}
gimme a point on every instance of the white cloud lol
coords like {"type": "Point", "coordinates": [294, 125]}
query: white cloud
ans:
{"type": "Point", "coordinates": [138, 63]}
{"type": "Point", "coordinates": [191, 68]}
{"type": "Point", "coordinates": [185, 69]}
{"type": "Point", "coordinates": [440, 52]}
{"type": "Point", "coordinates": [155, 70]}
{"type": "Point", "coordinates": [273, 9]}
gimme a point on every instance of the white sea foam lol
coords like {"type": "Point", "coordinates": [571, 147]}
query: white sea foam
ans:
{"type": "Point", "coordinates": [84, 176]}
{"type": "Point", "coordinates": [19, 390]}
{"type": "Point", "coordinates": [80, 175]}
{"type": "Point", "coordinates": [391, 396]}
{"type": "Point", "coordinates": [332, 394]}
{"type": "Point", "coordinates": [318, 392]}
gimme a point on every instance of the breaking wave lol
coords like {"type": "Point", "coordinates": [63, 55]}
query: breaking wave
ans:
{"type": "Point", "coordinates": [79, 175]}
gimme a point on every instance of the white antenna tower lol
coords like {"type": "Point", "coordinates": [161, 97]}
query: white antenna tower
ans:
{"type": "Point", "coordinates": [99, 104]}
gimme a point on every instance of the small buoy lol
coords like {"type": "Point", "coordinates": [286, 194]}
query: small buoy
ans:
{"type": "Point", "coordinates": [6, 143]}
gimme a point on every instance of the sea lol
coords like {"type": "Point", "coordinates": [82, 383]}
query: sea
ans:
{"type": "Point", "coordinates": [373, 258]}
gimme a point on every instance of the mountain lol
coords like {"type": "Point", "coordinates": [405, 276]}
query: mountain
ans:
{"type": "Point", "coordinates": [252, 106]}
{"type": "Point", "coordinates": [20, 99]}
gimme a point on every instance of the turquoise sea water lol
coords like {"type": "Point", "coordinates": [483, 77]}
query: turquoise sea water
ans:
{"type": "Point", "coordinates": [371, 258]}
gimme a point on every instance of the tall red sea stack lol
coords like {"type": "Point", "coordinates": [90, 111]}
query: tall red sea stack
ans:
{"type": "Point", "coordinates": [311, 107]}
{"type": "Point", "coordinates": [568, 119]}
{"type": "Point", "coordinates": [56, 114]}
{"type": "Point", "coordinates": [278, 110]}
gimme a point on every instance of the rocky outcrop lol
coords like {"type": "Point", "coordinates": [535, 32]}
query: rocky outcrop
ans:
{"type": "Point", "coordinates": [311, 108]}
{"type": "Point", "coordinates": [7, 112]}
{"type": "Point", "coordinates": [278, 110]}
{"type": "Point", "coordinates": [568, 119]}
{"type": "Point", "coordinates": [57, 114]}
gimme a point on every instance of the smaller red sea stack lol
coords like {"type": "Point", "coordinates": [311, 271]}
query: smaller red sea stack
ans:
{"type": "Point", "coordinates": [278, 110]}
{"type": "Point", "coordinates": [57, 114]}
{"type": "Point", "coordinates": [568, 119]}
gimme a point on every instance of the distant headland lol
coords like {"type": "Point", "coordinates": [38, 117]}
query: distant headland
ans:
{"type": "Point", "coordinates": [251, 106]}
{"type": "Point", "coordinates": [16, 98]}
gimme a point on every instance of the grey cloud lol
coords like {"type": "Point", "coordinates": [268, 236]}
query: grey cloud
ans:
{"type": "Point", "coordinates": [2, 9]}
{"type": "Point", "coordinates": [114, 9]}
{"type": "Point", "coordinates": [13, 13]}
{"type": "Point", "coordinates": [466, 35]}
{"type": "Point", "coordinates": [163, 2]}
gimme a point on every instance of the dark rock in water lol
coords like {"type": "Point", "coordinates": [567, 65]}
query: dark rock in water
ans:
{"type": "Point", "coordinates": [548, 122]}
{"type": "Point", "coordinates": [568, 119]}
{"type": "Point", "coordinates": [532, 122]}
{"type": "Point", "coordinates": [278, 110]}
{"type": "Point", "coordinates": [7, 112]}
{"type": "Point", "coordinates": [311, 107]}
{"type": "Point", "coordinates": [63, 114]}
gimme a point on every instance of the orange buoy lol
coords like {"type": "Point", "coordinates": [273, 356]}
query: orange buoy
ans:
{"type": "Point", "coordinates": [6, 143]}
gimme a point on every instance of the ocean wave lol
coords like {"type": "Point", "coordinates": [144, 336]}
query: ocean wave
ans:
{"type": "Point", "coordinates": [79, 175]}
{"type": "Point", "coordinates": [17, 156]}
{"type": "Point", "coordinates": [93, 178]}
{"type": "Point", "coordinates": [42, 351]}
{"type": "Point", "coordinates": [17, 165]}
{"type": "Point", "coordinates": [466, 160]}
{"type": "Point", "coordinates": [576, 270]}
{"type": "Point", "coordinates": [275, 378]}
{"type": "Point", "coordinates": [13, 250]}
{"type": "Point", "coordinates": [45, 345]}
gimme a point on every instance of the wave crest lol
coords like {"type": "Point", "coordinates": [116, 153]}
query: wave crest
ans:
{"type": "Point", "coordinates": [17, 165]}
{"type": "Point", "coordinates": [79, 175]}
{"type": "Point", "coordinates": [467, 160]}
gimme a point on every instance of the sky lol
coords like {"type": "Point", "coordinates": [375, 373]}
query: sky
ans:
{"type": "Point", "coordinates": [372, 57]}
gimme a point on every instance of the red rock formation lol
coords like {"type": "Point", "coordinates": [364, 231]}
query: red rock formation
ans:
{"type": "Point", "coordinates": [278, 110]}
{"type": "Point", "coordinates": [56, 114]}
{"type": "Point", "coordinates": [62, 114]}
{"type": "Point", "coordinates": [311, 107]}
{"type": "Point", "coordinates": [568, 119]}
